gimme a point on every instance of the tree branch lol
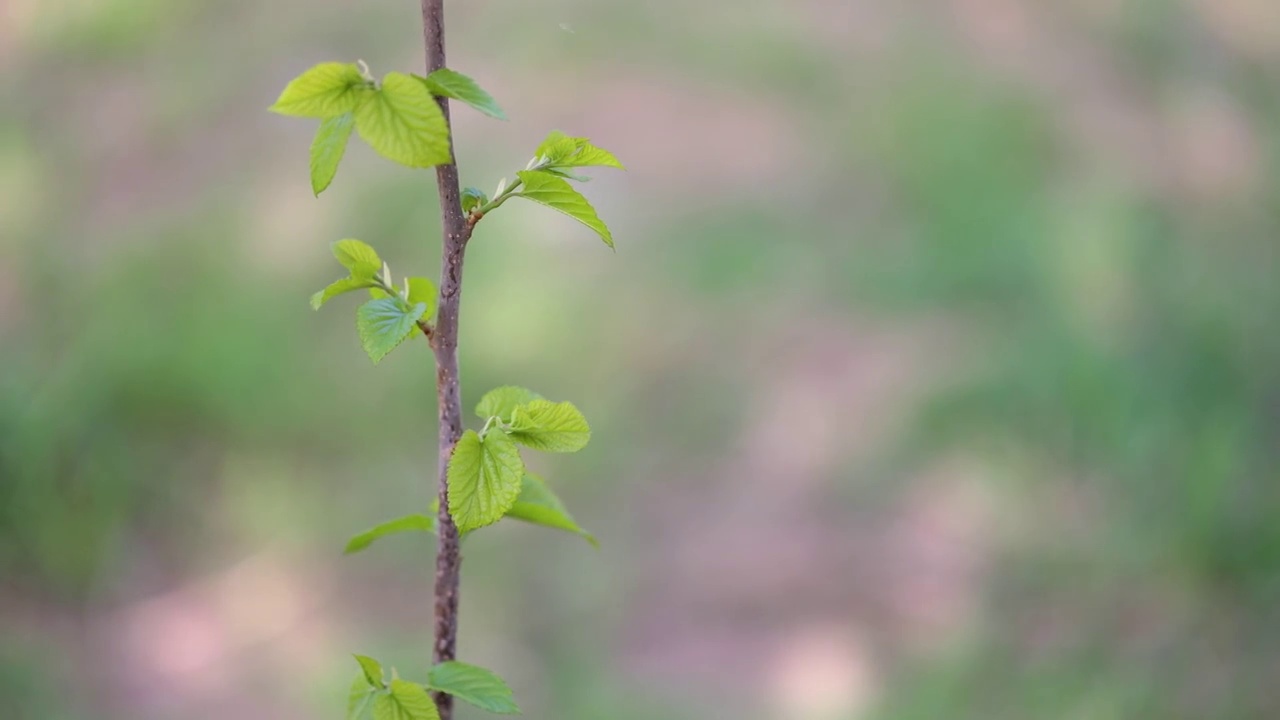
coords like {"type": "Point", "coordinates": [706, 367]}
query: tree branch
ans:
{"type": "Point", "coordinates": [456, 232]}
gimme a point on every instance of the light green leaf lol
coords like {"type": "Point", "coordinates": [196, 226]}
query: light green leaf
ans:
{"type": "Point", "coordinates": [539, 505]}
{"type": "Point", "coordinates": [556, 147]}
{"type": "Point", "coordinates": [327, 149]}
{"type": "Point", "coordinates": [337, 288]}
{"type": "Point", "coordinates": [591, 156]}
{"type": "Point", "coordinates": [402, 122]}
{"type": "Point", "coordinates": [384, 324]}
{"type": "Point", "coordinates": [451, 83]}
{"type": "Point", "coordinates": [408, 523]}
{"type": "Point", "coordinates": [474, 684]}
{"type": "Point", "coordinates": [420, 290]}
{"type": "Point", "coordinates": [559, 195]}
{"type": "Point", "coordinates": [500, 401]}
{"type": "Point", "coordinates": [360, 698]}
{"type": "Point", "coordinates": [361, 259]}
{"type": "Point", "coordinates": [473, 198]}
{"type": "Point", "coordinates": [406, 701]}
{"type": "Point", "coordinates": [565, 174]}
{"type": "Point", "coordinates": [550, 426]}
{"type": "Point", "coordinates": [326, 90]}
{"type": "Point", "coordinates": [372, 670]}
{"type": "Point", "coordinates": [564, 151]}
{"type": "Point", "coordinates": [423, 290]}
{"type": "Point", "coordinates": [484, 479]}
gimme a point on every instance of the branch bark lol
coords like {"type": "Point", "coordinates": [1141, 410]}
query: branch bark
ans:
{"type": "Point", "coordinates": [456, 232]}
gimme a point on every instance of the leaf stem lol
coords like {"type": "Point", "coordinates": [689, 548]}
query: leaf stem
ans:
{"type": "Point", "coordinates": [508, 192]}
{"type": "Point", "coordinates": [456, 232]}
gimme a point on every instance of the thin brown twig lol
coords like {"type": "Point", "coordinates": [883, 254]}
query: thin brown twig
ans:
{"type": "Point", "coordinates": [456, 231]}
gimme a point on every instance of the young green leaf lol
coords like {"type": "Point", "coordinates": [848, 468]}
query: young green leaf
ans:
{"type": "Point", "coordinates": [336, 288]}
{"type": "Point", "coordinates": [549, 426]}
{"type": "Point", "coordinates": [453, 84]}
{"type": "Point", "coordinates": [472, 198]}
{"type": "Point", "coordinates": [402, 122]}
{"type": "Point", "coordinates": [408, 523]}
{"type": "Point", "coordinates": [327, 149]}
{"type": "Point", "coordinates": [357, 257]}
{"type": "Point", "coordinates": [559, 195]}
{"type": "Point", "coordinates": [474, 684]}
{"type": "Point", "coordinates": [326, 90]}
{"type": "Point", "coordinates": [406, 701]}
{"type": "Point", "coordinates": [384, 324]}
{"type": "Point", "coordinates": [565, 174]}
{"type": "Point", "coordinates": [557, 147]}
{"type": "Point", "coordinates": [589, 155]}
{"type": "Point", "coordinates": [537, 504]}
{"type": "Point", "coordinates": [420, 290]}
{"type": "Point", "coordinates": [501, 401]}
{"type": "Point", "coordinates": [360, 698]}
{"type": "Point", "coordinates": [372, 670]}
{"type": "Point", "coordinates": [484, 479]}
{"type": "Point", "coordinates": [423, 290]}
{"type": "Point", "coordinates": [564, 151]}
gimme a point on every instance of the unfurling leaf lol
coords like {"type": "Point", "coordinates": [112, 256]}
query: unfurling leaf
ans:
{"type": "Point", "coordinates": [360, 698]}
{"type": "Point", "coordinates": [372, 670]}
{"type": "Point", "coordinates": [566, 174]}
{"type": "Point", "coordinates": [472, 198]}
{"type": "Point", "coordinates": [337, 288]}
{"type": "Point", "coordinates": [559, 195]}
{"type": "Point", "coordinates": [327, 149]}
{"type": "Point", "coordinates": [325, 91]}
{"type": "Point", "coordinates": [549, 426]}
{"type": "Point", "coordinates": [420, 290]}
{"type": "Point", "coordinates": [408, 523]}
{"type": "Point", "coordinates": [591, 156]}
{"type": "Point", "coordinates": [556, 148]}
{"type": "Point", "coordinates": [501, 401]}
{"type": "Point", "coordinates": [539, 505]}
{"type": "Point", "coordinates": [564, 151]}
{"type": "Point", "coordinates": [484, 479]}
{"type": "Point", "coordinates": [423, 290]}
{"type": "Point", "coordinates": [402, 122]}
{"type": "Point", "coordinates": [453, 84]}
{"type": "Point", "coordinates": [385, 323]}
{"type": "Point", "coordinates": [474, 684]}
{"type": "Point", "coordinates": [358, 258]}
{"type": "Point", "coordinates": [406, 701]}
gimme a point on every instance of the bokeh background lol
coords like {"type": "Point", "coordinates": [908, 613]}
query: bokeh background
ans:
{"type": "Point", "coordinates": [936, 374]}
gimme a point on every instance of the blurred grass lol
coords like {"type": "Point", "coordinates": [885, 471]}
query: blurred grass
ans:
{"type": "Point", "coordinates": [170, 406]}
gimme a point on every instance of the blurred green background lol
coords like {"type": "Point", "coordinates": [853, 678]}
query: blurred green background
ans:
{"type": "Point", "coordinates": [936, 374]}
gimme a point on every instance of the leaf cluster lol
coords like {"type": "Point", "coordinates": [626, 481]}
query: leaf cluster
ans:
{"type": "Point", "coordinates": [400, 117]}
{"type": "Point", "coordinates": [487, 477]}
{"type": "Point", "coordinates": [393, 312]}
{"type": "Point", "coordinates": [373, 695]}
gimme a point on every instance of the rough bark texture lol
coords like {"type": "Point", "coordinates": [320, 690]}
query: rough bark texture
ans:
{"type": "Point", "coordinates": [448, 385]}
